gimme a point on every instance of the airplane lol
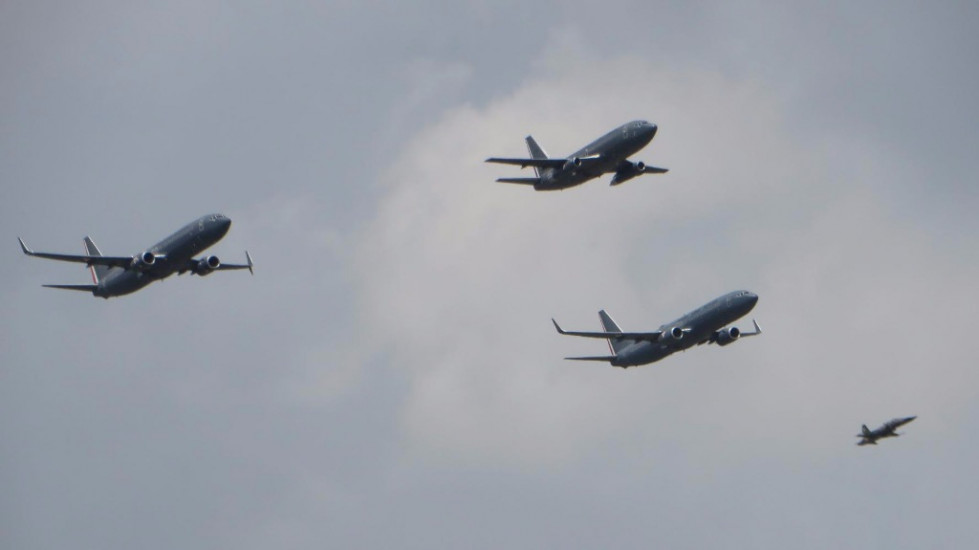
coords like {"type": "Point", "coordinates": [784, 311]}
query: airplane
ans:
{"type": "Point", "coordinates": [120, 275]}
{"type": "Point", "coordinates": [606, 155]}
{"type": "Point", "coordinates": [707, 324]}
{"type": "Point", "coordinates": [870, 437]}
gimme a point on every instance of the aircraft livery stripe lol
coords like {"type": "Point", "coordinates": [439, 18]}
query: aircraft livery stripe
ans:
{"type": "Point", "coordinates": [91, 268]}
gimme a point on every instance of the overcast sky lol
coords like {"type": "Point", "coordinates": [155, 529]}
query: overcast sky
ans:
{"type": "Point", "coordinates": [389, 377]}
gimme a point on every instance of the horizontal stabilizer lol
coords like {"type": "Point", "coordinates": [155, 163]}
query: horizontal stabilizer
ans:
{"type": "Point", "coordinates": [85, 288]}
{"type": "Point", "coordinates": [607, 358]}
{"type": "Point", "coordinates": [525, 181]}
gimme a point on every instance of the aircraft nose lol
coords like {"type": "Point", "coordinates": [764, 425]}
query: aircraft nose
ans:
{"type": "Point", "coordinates": [222, 223]}
{"type": "Point", "coordinates": [650, 129]}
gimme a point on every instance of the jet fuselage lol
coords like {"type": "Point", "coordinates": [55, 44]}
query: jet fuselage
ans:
{"type": "Point", "coordinates": [613, 148]}
{"type": "Point", "coordinates": [174, 253]}
{"type": "Point", "coordinates": [889, 429]}
{"type": "Point", "coordinates": [702, 323]}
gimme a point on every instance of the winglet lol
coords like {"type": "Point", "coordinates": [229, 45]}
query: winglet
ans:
{"type": "Point", "coordinates": [250, 264]}
{"type": "Point", "coordinates": [23, 247]}
{"type": "Point", "coordinates": [557, 326]}
{"type": "Point", "coordinates": [756, 332]}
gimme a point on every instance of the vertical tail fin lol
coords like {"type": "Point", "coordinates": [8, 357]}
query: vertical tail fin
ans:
{"type": "Point", "coordinates": [536, 152]}
{"type": "Point", "coordinates": [615, 345]}
{"type": "Point", "coordinates": [98, 271]}
{"type": "Point", "coordinates": [866, 430]}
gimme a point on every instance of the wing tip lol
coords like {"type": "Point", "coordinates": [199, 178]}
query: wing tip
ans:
{"type": "Point", "coordinates": [24, 247]}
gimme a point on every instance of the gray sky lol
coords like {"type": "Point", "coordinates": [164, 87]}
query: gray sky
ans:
{"type": "Point", "coordinates": [389, 377]}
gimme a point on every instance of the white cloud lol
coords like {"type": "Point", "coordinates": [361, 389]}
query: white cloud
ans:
{"type": "Point", "coordinates": [460, 274]}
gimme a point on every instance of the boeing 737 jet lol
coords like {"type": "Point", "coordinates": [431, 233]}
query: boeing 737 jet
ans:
{"type": "Point", "coordinates": [870, 437]}
{"type": "Point", "coordinates": [606, 155]}
{"type": "Point", "coordinates": [705, 325]}
{"type": "Point", "coordinates": [119, 275]}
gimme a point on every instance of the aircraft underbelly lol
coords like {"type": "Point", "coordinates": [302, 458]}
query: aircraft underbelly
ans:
{"type": "Point", "coordinates": [643, 355]}
{"type": "Point", "coordinates": [127, 282]}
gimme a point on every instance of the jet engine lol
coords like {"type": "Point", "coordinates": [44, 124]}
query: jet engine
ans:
{"type": "Point", "coordinates": [726, 336]}
{"type": "Point", "coordinates": [672, 335]}
{"type": "Point", "coordinates": [144, 261]}
{"type": "Point", "coordinates": [572, 163]}
{"type": "Point", "coordinates": [205, 266]}
{"type": "Point", "coordinates": [627, 171]}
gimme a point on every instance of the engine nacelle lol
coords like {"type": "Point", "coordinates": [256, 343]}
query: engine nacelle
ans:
{"type": "Point", "coordinates": [205, 266]}
{"type": "Point", "coordinates": [627, 171]}
{"type": "Point", "coordinates": [726, 336]}
{"type": "Point", "coordinates": [674, 334]}
{"type": "Point", "coordinates": [144, 261]}
{"type": "Point", "coordinates": [572, 163]}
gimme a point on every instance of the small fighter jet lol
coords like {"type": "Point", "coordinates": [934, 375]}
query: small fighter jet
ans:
{"type": "Point", "coordinates": [870, 437]}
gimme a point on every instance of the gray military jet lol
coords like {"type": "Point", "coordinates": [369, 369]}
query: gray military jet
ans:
{"type": "Point", "coordinates": [870, 437]}
{"type": "Point", "coordinates": [606, 155]}
{"type": "Point", "coordinates": [120, 275]}
{"type": "Point", "coordinates": [705, 325]}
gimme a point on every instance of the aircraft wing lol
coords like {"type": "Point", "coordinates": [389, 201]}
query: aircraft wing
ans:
{"type": "Point", "coordinates": [524, 181]}
{"type": "Point", "coordinates": [523, 163]}
{"type": "Point", "coordinates": [247, 266]}
{"type": "Point", "coordinates": [194, 265]}
{"type": "Point", "coordinates": [651, 336]}
{"type": "Point", "coordinates": [581, 162]}
{"type": "Point", "coordinates": [110, 261]}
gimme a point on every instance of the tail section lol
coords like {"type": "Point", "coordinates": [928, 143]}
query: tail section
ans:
{"type": "Point", "coordinates": [865, 429]}
{"type": "Point", "coordinates": [98, 271]}
{"type": "Point", "coordinates": [536, 152]}
{"type": "Point", "coordinates": [614, 345]}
